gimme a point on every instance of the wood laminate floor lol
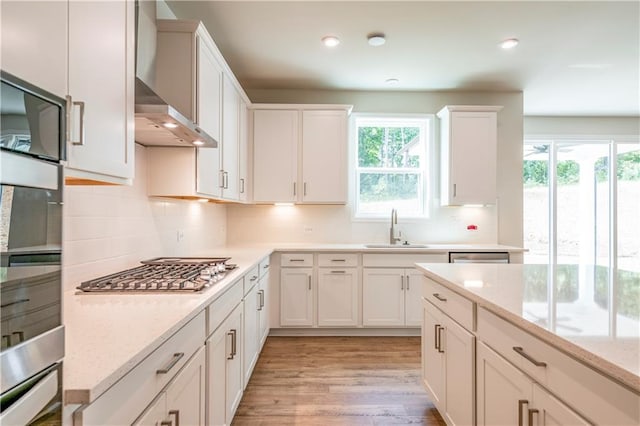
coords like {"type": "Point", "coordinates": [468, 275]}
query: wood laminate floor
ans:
{"type": "Point", "coordinates": [337, 381]}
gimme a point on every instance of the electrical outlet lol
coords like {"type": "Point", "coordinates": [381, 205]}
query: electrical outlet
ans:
{"type": "Point", "coordinates": [179, 235]}
{"type": "Point", "coordinates": [308, 229]}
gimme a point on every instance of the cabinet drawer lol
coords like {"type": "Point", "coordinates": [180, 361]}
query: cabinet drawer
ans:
{"type": "Point", "coordinates": [401, 260]}
{"type": "Point", "coordinates": [222, 307]}
{"type": "Point", "coordinates": [595, 396]}
{"type": "Point", "coordinates": [251, 278]}
{"type": "Point", "coordinates": [264, 266]}
{"type": "Point", "coordinates": [296, 259]}
{"type": "Point", "coordinates": [338, 259]}
{"type": "Point", "coordinates": [124, 401]}
{"type": "Point", "coordinates": [452, 304]}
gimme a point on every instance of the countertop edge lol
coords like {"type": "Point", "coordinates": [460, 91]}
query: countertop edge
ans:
{"type": "Point", "coordinates": [591, 360]}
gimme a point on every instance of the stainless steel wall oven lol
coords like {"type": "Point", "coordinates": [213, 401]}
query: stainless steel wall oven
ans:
{"type": "Point", "coordinates": [32, 142]}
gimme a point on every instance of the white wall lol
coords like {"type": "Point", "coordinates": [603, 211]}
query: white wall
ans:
{"type": "Point", "coordinates": [110, 228]}
{"type": "Point", "coordinates": [627, 128]}
{"type": "Point", "coordinates": [501, 223]}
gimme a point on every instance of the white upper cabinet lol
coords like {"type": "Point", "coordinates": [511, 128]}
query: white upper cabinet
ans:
{"type": "Point", "coordinates": [101, 86]}
{"type": "Point", "coordinates": [34, 43]}
{"type": "Point", "coordinates": [275, 153]}
{"type": "Point", "coordinates": [243, 151]}
{"type": "Point", "coordinates": [468, 149]}
{"type": "Point", "coordinates": [193, 76]}
{"type": "Point", "coordinates": [84, 50]}
{"type": "Point", "coordinates": [230, 140]}
{"type": "Point", "coordinates": [324, 156]}
{"type": "Point", "coordinates": [299, 153]}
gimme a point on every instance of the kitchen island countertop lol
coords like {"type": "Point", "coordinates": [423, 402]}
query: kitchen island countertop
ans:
{"type": "Point", "coordinates": [572, 319]}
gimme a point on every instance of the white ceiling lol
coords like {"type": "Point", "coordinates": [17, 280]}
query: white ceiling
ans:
{"type": "Point", "coordinates": [574, 57]}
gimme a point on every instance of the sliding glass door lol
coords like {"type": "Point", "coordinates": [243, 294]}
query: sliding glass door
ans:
{"type": "Point", "coordinates": [582, 217]}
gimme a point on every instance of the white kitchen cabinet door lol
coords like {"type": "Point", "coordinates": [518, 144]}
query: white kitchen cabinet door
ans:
{"type": "Point", "coordinates": [500, 388]}
{"type": "Point", "coordinates": [275, 153]}
{"type": "Point", "coordinates": [209, 89]}
{"type": "Point", "coordinates": [225, 370]}
{"type": "Point", "coordinates": [243, 152]}
{"type": "Point", "coordinates": [296, 297]}
{"type": "Point", "coordinates": [34, 43]}
{"type": "Point", "coordinates": [234, 365]}
{"type": "Point", "coordinates": [324, 156]}
{"type": "Point", "coordinates": [186, 394]}
{"type": "Point", "coordinates": [263, 316]}
{"type": "Point", "coordinates": [230, 140]}
{"type": "Point", "coordinates": [338, 297]}
{"type": "Point", "coordinates": [432, 358]}
{"type": "Point", "coordinates": [413, 298]}
{"type": "Point", "coordinates": [101, 78]}
{"type": "Point", "coordinates": [548, 411]}
{"type": "Point", "coordinates": [458, 345]}
{"type": "Point", "coordinates": [155, 413]}
{"type": "Point", "coordinates": [208, 172]}
{"type": "Point", "coordinates": [383, 297]}
{"type": "Point", "coordinates": [468, 154]}
{"type": "Point", "coordinates": [251, 330]}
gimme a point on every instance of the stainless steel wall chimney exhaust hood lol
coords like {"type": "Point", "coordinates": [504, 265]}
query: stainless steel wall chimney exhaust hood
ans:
{"type": "Point", "coordinates": [156, 122]}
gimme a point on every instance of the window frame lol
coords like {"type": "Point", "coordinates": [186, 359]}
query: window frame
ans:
{"type": "Point", "coordinates": [427, 171]}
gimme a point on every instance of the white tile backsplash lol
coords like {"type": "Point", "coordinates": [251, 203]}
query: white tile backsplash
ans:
{"type": "Point", "coordinates": [110, 228]}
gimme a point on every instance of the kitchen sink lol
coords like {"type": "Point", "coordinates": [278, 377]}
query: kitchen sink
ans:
{"type": "Point", "coordinates": [396, 246]}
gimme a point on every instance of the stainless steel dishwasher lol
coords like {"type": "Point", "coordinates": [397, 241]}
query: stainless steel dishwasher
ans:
{"type": "Point", "coordinates": [475, 257]}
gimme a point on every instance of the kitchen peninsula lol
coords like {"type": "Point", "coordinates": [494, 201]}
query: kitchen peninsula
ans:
{"type": "Point", "coordinates": [532, 340]}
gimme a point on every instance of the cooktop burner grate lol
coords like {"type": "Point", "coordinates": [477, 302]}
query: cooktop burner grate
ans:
{"type": "Point", "coordinates": [163, 275]}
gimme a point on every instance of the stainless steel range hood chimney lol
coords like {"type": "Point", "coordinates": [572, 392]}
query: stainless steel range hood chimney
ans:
{"type": "Point", "coordinates": [156, 122]}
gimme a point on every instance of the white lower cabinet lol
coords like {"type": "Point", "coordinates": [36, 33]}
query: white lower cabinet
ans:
{"type": "Point", "coordinates": [251, 306]}
{"type": "Point", "coordinates": [507, 396]}
{"type": "Point", "coordinates": [391, 297]}
{"type": "Point", "coordinates": [338, 297]}
{"type": "Point", "coordinates": [183, 401]}
{"type": "Point", "coordinates": [296, 297]}
{"type": "Point", "coordinates": [225, 374]}
{"type": "Point", "coordinates": [448, 366]}
{"type": "Point", "coordinates": [263, 308]}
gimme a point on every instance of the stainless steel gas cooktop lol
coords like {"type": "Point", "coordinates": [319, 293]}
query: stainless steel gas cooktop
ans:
{"type": "Point", "coordinates": [163, 274]}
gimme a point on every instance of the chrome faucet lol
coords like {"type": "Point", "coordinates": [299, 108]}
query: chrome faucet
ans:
{"type": "Point", "coordinates": [393, 239]}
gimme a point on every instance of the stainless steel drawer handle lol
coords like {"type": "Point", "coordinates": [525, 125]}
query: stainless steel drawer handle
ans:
{"type": "Point", "coordinates": [521, 404]}
{"type": "Point", "coordinates": [338, 272]}
{"type": "Point", "coordinates": [338, 260]}
{"type": "Point", "coordinates": [529, 358]}
{"type": "Point", "coordinates": [234, 343]}
{"type": "Point", "coordinates": [266, 266]}
{"type": "Point", "coordinates": [253, 278]}
{"type": "Point", "coordinates": [15, 302]}
{"type": "Point", "coordinates": [166, 423]}
{"type": "Point", "coordinates": [174, 360]}
{"type": "Point", "coordinates": [532, 411]}
{"type": "Point", "coordinates": [309, 282]}
{"type": "Point", "coordinates": [296, 260]}
{"type": "Point", "coordinates": [440, 298]}
{"type": "Point", "coordinates": [175, 413]}
{"type": "Point", "coordinates": [435, 337]}
{"type": "Point", "coordinates": [440, 340]}
{"type": "Point", "coordinates": [408, 283]}
{"type": "Point", "coordinates": [260, 299]}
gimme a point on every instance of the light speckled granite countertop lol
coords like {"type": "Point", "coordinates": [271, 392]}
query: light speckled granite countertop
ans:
{"type": "Point", "coordinates": [108, 334]}
{"type": "Point", "coordinates": [578, 322]}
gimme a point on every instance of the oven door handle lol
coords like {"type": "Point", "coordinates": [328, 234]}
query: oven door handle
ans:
{"type": "Point", "coordinates": [25, 409]}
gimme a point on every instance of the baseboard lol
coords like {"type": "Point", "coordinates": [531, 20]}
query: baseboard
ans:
{"type": "Point", "coordinates": [345, 332]}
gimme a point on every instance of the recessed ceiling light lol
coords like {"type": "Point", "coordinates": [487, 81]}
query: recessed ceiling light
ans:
{"type": "Point", "coordinates": [509, 43]}
{"type": "Point", "coordinates": [376, 39]}
{"type": "Point", "coordinates": [392, 81]}
{"type": "Point", "coordinates": [330, 41]}
{"type": "Point", "coordinates": [198, 142]}
{"type": "Point", "coordinates": [170, 125]}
